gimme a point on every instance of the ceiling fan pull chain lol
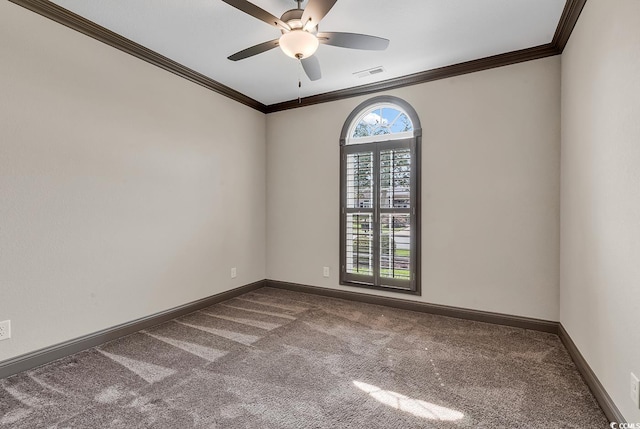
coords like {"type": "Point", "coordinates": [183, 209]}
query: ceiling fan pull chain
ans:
{"type": "Point", "coordinates": [299, 83]}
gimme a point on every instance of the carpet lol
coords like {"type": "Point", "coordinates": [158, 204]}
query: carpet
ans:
{"type": "Point", "coordinates": [273, 358]}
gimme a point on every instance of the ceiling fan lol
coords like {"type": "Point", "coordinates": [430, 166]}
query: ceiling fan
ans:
{"type": "Point", "coordinates": [300, 37]}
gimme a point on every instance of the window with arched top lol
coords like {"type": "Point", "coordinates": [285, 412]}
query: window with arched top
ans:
{"type": "Point", "coordinates": [379, 196]}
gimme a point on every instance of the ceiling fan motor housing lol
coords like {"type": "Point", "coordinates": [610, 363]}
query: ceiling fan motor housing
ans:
{"type": "Point", "coordinates": [293, 18]}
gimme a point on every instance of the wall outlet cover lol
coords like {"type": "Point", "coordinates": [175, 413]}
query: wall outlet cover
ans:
{"type": "Point", "coordinates": [5, 330]}
{"type": "Point", "coordinates": [234, 272]}
{"type": "Point", "coordinates": [325, 271]}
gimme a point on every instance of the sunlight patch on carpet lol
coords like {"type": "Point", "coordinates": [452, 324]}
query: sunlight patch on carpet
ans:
{"type": "Point", "coordinates": [416, 407]}
{"type": "Point", "coordinates": [147, 371]}
{"type": "Point", "coordinates": [252, 310]}
{"type": "Point", "coordinates": [30, 400]}
{"type": "Point", "coordinates": [15, 415]}
{"type": "Point", "coordinates": [255, 323]}
{"type": "Point", "coordinates": [109, 395]}
{"type": "Point", "coordinates": [245, 339]}
{"type": "Point", "coordinates": [207, 353]}
{"type": "Point", "coordinates": [269, 302]}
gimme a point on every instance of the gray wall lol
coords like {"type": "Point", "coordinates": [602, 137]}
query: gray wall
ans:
{"type": "Point", "coordinates": [490, 190]}
{"type": "Point", "coordinates": [600, 244]}
{"type": "Point", "coordinates": [124, 190]}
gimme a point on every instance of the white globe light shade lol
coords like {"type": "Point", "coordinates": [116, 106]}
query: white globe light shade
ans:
{"type": "Point", "coordinates": [298, 44]}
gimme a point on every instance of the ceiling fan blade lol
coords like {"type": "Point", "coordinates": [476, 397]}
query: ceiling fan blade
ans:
{"type": "Point", "coordinates": [315, 11]}
{"type": "Point", "coordinates": [354, 41]}
{"type": "Point", "coordinates": [311, 67]}
{"type": "Point", "coordinates": [256, 12]}
{"type": "Point", "coordinates": [254, 50]}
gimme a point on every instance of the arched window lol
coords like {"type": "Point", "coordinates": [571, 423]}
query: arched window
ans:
{"type": "Point", "coordinates": [382, 121]}
{"type": "Point", "coordinates": [380, 205]}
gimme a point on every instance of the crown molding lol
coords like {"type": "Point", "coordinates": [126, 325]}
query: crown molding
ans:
{"type": "Point", "coordinates": [567, 22]}
{"type": "Point", "coordinates": [69, 19]}
{"type": "Point", "coordinates": [422, 77]}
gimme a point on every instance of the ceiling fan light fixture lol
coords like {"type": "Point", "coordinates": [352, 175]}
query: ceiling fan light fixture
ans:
{"type": "Point", "coordinates": [298, 44]}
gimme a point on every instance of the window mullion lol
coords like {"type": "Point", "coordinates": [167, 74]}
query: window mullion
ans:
{"type": "Point", "coordinates": [376, 216]}
{"type": "Point", "coordinates": [413, 217]}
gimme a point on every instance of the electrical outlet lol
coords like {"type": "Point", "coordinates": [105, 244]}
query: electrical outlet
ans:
{"type": "Point", "coordinates": [234, 272]}
{"type": "Point", "coordinates": [635, 390]}
{"type": "Point", "coordinates": [5, 330]}
{"type": "Point", "coordinates": [325, 271]}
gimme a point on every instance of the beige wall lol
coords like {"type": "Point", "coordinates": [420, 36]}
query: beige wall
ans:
{"type": "Point", "coordinates": [124, 190]}
{"type": "Point", "coordinates": [600, 245]}
{"type": "Point", "coordinates": [490, 190]}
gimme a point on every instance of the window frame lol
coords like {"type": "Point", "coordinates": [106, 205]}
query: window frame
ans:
{"type": "Point", "coordinates": [383, 142]}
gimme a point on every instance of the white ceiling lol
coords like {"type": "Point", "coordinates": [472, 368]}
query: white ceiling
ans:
{"type": "Point", "coordinates": [424, 34]}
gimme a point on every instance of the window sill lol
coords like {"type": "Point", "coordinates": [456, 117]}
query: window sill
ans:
{"type": "Point", "coordinates": [416, 292]}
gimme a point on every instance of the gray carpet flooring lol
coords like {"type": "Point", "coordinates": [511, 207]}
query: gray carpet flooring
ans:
{"type": "Point", "coordinates": [279, 359]}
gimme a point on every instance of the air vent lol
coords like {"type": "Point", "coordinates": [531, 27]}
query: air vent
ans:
{"type": "Point", "coordinates": [369, 72]}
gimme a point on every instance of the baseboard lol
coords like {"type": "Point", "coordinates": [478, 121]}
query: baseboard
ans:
{"type": "Point", "coordinates": [49, 354]}
{"type": "Point", "coordinates": [442, 310]}
{"type": "Point", "coordinates": [598, 390]}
